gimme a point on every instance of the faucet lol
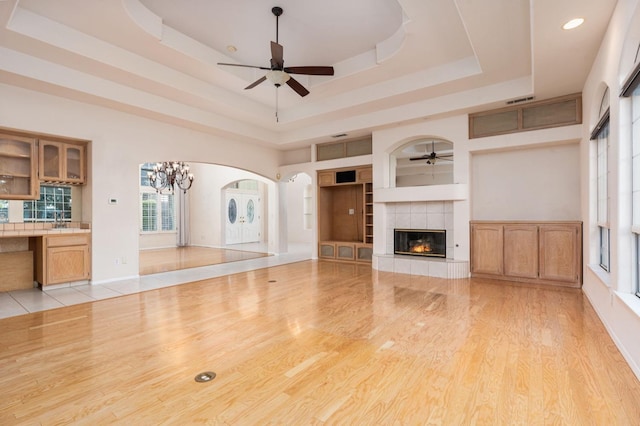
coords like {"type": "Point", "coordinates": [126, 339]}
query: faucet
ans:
{"type": "Point", "coordinates": [59, 220]}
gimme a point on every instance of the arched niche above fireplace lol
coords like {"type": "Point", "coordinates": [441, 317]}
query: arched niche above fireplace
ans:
{"type": "Point", "coordinates": [421, 162]}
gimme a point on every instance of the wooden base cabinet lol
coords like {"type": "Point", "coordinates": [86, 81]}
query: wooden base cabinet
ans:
{"type": "Point", "coordinates": [561, 253]}
{"type": "Point", "coordinates": [338, 250]}
{"type": "Point", "coordinates": [63, 259]}
{"type": "Point", "coordinates": [534, 252]}
{"type": "Point", "coordinates": [486, 248]}
{"type": "Point", "coordinates": [521, 250]}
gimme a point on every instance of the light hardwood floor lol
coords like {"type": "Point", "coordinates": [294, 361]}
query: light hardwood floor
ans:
{"type": "Point", "coordinates": [319, 343]}
{"type": "Point", "coordinates": [176, 258]}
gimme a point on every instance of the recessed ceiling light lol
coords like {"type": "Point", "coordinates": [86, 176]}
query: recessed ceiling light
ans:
{"type": "Point", "coordinates": [574, 23]}
{"type": "Point", "coordinates": [231, 48]}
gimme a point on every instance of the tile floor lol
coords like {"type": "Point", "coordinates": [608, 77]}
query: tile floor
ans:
{"type": "Point", "coordinates": [20, 302]}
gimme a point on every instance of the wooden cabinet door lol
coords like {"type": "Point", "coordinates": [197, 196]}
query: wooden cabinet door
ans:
{"type": "Point", "coordinates": [50, 160]}
{"type": "Point", "coordinates": [73, 163]}
{"type": "Point", "coordinates": [18, 166]}
{"type": "Point", "coordinates": [486, 249]}
{"type": "Point", "coordinates": [325, 178]}
{"type": "Point", "coordinates": [327, 250]}
{"type": "Point", "coordinates": [62, 162]}
{"type": "Point", "coordinates": [365, 175]}
{"type": "Point", "coordinates": [560, 252]}
{"type": "Point", "coordinates": [345, 251]}
{"type": "Point", "coordinates": [521, 250]}
{"type": "Point", "coordinates": [67, 264]}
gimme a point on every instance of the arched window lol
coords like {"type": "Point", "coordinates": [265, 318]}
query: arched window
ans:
{"type": "Point", "coordinates": [425, 161]}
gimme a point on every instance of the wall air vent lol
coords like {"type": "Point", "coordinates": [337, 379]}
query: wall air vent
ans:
{"type": "Point", "coordinates": [520, 100]}
{"type": "Point", "coordinates": [339, 135]}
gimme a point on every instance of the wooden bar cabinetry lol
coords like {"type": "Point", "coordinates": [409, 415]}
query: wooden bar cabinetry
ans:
{"type": "Point", "coordinates": [345, 214]}
{"type": "Point", "coordinates": [62, 162]}
{"type": "Point", "coordinates": [534, 252]}
{"type": "Point", "coordinates": [62, 258]}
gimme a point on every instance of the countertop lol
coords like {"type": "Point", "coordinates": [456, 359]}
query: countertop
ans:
{"type": "Point", "coordinates": [13, 230]}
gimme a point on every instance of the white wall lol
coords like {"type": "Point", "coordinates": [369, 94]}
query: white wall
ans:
{"type": "Point", "coordinates": [295, 210]}
{"type": "Point", "coordinates": [120, 143]}
{"type": "Point", "coordinates": [157, 240]}
{"type": "Point", "coordinates": [527, 184]}
{"type": "Point", "coordinates": [610, 293]}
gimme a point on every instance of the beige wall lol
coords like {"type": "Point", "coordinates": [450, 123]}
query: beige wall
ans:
{"type": "Point", "coordinates": [541, 183]}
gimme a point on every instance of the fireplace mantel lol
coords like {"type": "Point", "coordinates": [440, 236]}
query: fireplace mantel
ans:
{"type": "Point", "coordinates": [453, 192]}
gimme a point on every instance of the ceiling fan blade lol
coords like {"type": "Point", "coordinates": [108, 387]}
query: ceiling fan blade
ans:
{"type": "Point", "coordinates": [255, 83]}
{"type": "Point", "coordinates": [310, 70]}
{"type": "Point", "coordinates": [299, 88]}
{"type": "Point", "coordinates": [244, 66]}
{"type": "Point", "coordinates": [423, 157]}
{"type": "Point", "coordinates": [445, 159]}
{"type": "Point", "coordinates": [276, 55]}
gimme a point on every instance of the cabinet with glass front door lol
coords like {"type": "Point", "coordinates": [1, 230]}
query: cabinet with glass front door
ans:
{"type": "Point", "coordinates": [62, 162]}
{"type": "Point", "coordinates": [18, 165]}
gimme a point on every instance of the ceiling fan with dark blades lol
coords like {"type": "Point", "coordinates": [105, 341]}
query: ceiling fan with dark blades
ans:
{"type": "Point", "coordinates": [277, 73]}
{"type": "Point", "coordinates": [432, 157]}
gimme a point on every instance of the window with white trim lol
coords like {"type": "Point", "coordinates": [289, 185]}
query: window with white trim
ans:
{"type": "Point", "coordinates": [53, 205]}
{"type": "Point", "coordinates": [157, 211]}
{"type": "Point", "coordinates": [631, 89]}
{"type": "Point", "coordinates": [601, 137]}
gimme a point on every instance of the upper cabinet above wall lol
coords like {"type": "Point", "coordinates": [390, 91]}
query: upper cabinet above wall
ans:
{"type": "Point", "coordinates": [18, 179]}
{"type": "Point", "coordinates": [61, 162]}
{"type": "Point", "coordinates": [556, 112]}
{"type": "Point", "coordinates": [27, 159]}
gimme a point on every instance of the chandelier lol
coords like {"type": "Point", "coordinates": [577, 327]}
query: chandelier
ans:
{"type": "Point", "coordinates": [171, 175]}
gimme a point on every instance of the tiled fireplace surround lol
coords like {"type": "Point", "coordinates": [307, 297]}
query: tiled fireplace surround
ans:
{"type": "Point", "coordinates": [420, 215]}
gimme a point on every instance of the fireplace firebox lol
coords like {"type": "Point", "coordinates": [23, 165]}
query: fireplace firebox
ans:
{"type": "Point", "coordinates": [420, 242]}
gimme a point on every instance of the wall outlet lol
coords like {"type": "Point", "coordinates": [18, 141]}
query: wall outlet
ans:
{"type": "Point", "coordinates": [117, 261]}
{"type": "Point", "coordinates": [124, 260]}
{"type": "Point", "coordinates": [352, 211]}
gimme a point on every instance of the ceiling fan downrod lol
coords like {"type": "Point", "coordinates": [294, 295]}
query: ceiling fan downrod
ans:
{"type": "Point", "coordinates": [277, 11]}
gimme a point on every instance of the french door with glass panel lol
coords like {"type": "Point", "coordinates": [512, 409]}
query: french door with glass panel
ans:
{"type": "Point", "coordinates": [242, 217]}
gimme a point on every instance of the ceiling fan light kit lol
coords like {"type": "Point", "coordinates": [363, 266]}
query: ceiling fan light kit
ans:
{"type": "Point", "coordinates": [278, 78]}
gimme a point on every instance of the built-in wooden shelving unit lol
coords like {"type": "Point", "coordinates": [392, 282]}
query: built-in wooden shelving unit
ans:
{"type": "Point", "coordinates": [345, 214]}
